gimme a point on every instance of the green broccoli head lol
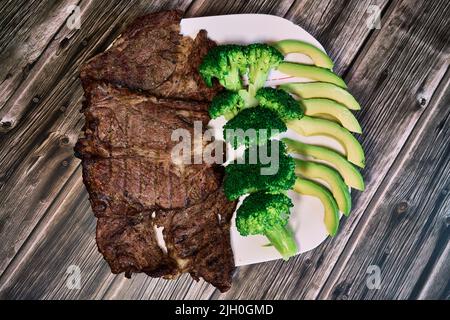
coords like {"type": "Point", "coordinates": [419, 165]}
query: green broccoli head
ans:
{"type": "Point", "coordinates": [266, 167]}
{"type": "Point", "coordinates": [281, 102]}
{"type": "Point", "coordinates": [261, 58]}
{"type": "Point", "coordinates": [226, 103]}
{"type": "Point", "coordinates": [227, 63]}
{"type": "Point", "coordinates": [262, 211]}
{"type": "Point", "coordinates": [253, 126]}
{"type": "Point", "coordinates": [268, 214]}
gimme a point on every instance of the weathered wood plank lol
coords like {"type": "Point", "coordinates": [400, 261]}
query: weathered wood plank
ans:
{"type": "Point", "coordinates": [434, 286]}
{"type": "Point", "coordinates": [37, 155]}
{"type": "Point", "coordinates": [13, 16]}
{"type": "Point", "coordinates": [340, 26]}
{"type": "Point", "coordinates": [63, 239]}
{"type": "Point", "coordinates": [214, 8]}
{"type": "Point", "coordinates": [23, 48]}
{"type": "Point", "coordinates": [394, 79]}
{"type": "Point", "coordinates": [406, 232]}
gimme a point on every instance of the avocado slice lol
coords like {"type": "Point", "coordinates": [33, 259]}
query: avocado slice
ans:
{"type": "Point", "coordinates": [308, 126]}
{"type": "Point", "coordinates": [319, 58]}
{"type": "Point", "coordinates": [311, 188]}
{"type": "Point", "coordinates": [331, 110]}
{"type": "Point", "coordinates": [306, 90]}
{"type": "Point", "coordinates": [351, 175]}
{"type": "Point", "coordinates": [311, 72]}
{"type": "Point", "coordinates": [311, 170]}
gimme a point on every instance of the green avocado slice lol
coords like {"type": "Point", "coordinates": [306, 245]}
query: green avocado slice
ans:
{"type": "Point", "coordinates": [351, 175]}
{"type": "Point", "coordinates": [311, 72]}
{"type": "Point", "coordinates": [319, 58]}
{"type": "Point", "coordinates": [311, 170]}
{"type": "Point", "coordinates": [331, 110]}
{"type": "Point", "coordinates": [308, 126]}
{"type": "Point", "coordinates": [307, 90]}
{"type": "Point", "coordinates": [311, 188]}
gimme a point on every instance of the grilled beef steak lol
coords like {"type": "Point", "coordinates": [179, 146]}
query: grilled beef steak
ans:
{"type": "Point", "coordinates": [137, 93]}
{"type": "Point", "coordinates": [127, 152]}
{"type": "Point", "coordinates": [152, 55]}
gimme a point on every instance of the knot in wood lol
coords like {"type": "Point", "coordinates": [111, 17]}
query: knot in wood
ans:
{"type": "Point", "coordinates": [64, 140]}
{"type": "Point", "coordinates": [402, 207]}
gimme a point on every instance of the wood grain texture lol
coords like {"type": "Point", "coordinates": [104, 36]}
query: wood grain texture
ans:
{"type": "Point", "coordinates": [63, 238]}
{"type": "Point", "coordinates": [435, 282]}
{"type": "Point", "coordinates": [21, 51]}
{"type": "Point", "coordinates": [406, 232]}
{"type": "Point", "coordinates": [37, 154]}
{"type": "Point", "coordinates": [46, 224]}
{"type": "Point", "coordinates": [201, 8]}
{"type": "Point", "coordinates": [340, 26]}
{"type": "Point", "coordinates": [396, 74]}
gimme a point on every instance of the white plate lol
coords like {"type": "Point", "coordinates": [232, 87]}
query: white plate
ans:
{"type": "Point", "coordinates": [307, 215]}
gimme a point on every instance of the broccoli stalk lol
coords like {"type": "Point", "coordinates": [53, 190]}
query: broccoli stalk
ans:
{"type": "Point", "coordinates": [268, 214]}
{"type": "Point", "coordinates": [261, 58]}
{"type": "Point", "coordinates": [283, 240]}
{"type": "Point", "coordinates": [249, 100]}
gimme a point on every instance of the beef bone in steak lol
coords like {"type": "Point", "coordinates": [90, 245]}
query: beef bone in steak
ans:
{"type": "Point", "coordinates": [137, 93]}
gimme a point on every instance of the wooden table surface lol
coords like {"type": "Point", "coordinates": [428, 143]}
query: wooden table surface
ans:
{"type": "Point", "coordinates": [399, 225]}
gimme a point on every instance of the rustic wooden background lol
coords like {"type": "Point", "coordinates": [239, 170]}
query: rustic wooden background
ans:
{"type": "Point", "coordinates": [399, 73]}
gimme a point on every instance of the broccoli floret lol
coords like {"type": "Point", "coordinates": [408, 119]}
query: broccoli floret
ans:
{"type": "Point", "coordinates": [268, 214]}
{"type": "Point", "coordinates": [226, 103]}
{"type": "Point", "coordinates": [261, 58]}
{"type": "Point", "coordinates": [249, 176]}
{"type": "Point", "coordinates": [281, 102]}
{"type": "Point", "coordinates": [227, 63]}
{"type": "Point", "coordinates": [253, 126]}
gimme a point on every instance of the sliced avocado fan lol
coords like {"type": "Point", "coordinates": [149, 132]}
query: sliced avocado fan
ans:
{"type": "Point", "coordinates": [311, 188]}
{"type": "Point", "coordinates": [308, 126]}
{"type": "Point", "coordinates": [319, 58]}
{"type": "Point", "coordinates": [352, 177]}
{"type": "Point", "coordinates": [301, 70]}
{"type": "Point", "coordinates": [332, 178]}
{"type": "Point", "coordinates": [307, 90]}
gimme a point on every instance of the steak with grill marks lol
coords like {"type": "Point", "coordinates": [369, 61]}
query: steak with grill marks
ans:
{"type": "Point", "coordinates": [152, 55]}
{"type": "Point", "coordinates": [155, 215]}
